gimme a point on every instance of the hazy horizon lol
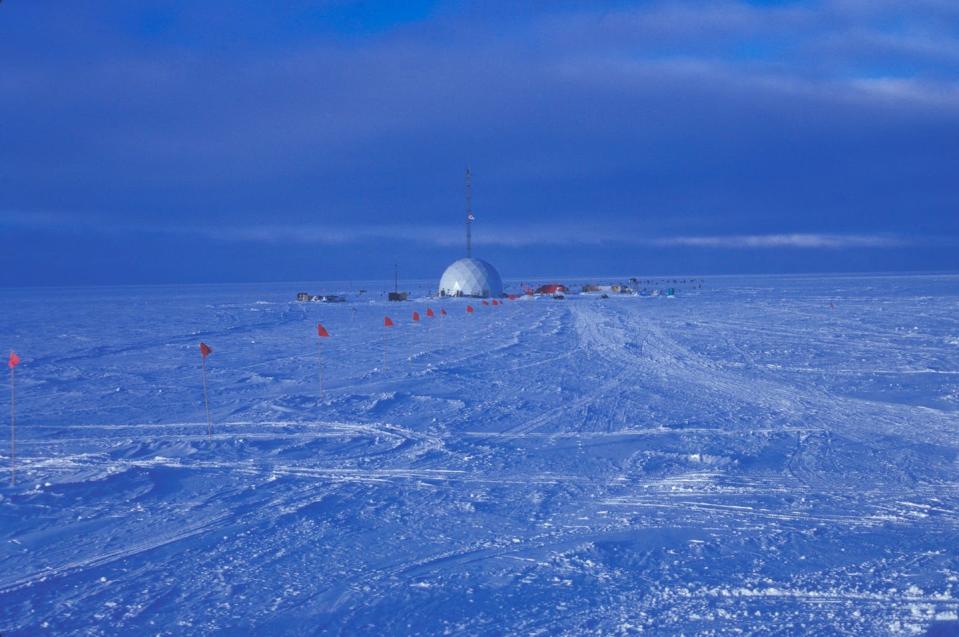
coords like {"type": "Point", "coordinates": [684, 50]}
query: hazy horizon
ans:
{"type": "Point", "coordinates": [512, 280]}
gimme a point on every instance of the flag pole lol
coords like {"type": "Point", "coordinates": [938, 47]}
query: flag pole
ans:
{"type": "Point", "coordinates": [387, 323]}
{"type": "Point", "coordinates": [206, 401]}
{"type": "Point", "coordinates": [13, 427]}
{"type": "Point", "coordinates": [321, 333]}
{"type": "Point", "coordinates": [442, 330]}
{"type": "Point", "coordinates": [409, 358]}
{"type": "Point", "coordinates": [319, 362]}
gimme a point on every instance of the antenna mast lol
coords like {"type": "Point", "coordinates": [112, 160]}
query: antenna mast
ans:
{"type": "Point", "coordinates": [469, 213]}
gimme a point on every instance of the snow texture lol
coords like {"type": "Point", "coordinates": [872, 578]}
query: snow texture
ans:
{"type": "Point", "coordinates": [759, 457]}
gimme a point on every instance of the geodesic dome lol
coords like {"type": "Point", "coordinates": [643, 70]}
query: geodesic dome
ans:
{"type": "Point", "coordinates": [471, 277]}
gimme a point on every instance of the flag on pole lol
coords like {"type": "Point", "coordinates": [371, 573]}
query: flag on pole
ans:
{"type": "Point", "coordinates": [429, 312]}
{"type": "Point", "coordinates": [416, 315]}
{"type": "Point", "coordinates": [387, 322]}
{"type": "Point", "coordinates": [495, 302]}
{"type": "Point", "coordinates": [485, 302]}
{"type": "Point", "coordinates": [12, 362]}
{"type": "Point", "coordinates": [442, 311]}
{"type": "Point", "coordinates": [469, 309]}
{"type": "Point", "coordinates": [321, 333]}
{"type": "Point", "coordinates": [206, 350]}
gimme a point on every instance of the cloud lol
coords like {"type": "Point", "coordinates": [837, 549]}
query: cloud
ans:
{"type": "Point", "coordinates": [519, 236]}
{"type": "Point", "coordinates": [514, 235]}
{"type": "Point", "coordinates": [798, 240]}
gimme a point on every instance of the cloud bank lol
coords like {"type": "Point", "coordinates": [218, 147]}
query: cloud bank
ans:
{"type": "Point", "coordinates": [597, 129]}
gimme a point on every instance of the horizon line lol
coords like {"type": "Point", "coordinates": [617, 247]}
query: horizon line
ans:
{"type": "Point", "coordinates": [804, 274]}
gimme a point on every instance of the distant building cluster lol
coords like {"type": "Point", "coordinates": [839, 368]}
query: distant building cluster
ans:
{"type": "Point", "coordinates": [320, 298]}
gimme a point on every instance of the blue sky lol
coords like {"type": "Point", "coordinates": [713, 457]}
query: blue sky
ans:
{"type": "Point", "coordinates": [165, 142]}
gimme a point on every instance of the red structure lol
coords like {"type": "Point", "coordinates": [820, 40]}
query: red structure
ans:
{"type": "Point", "coordinates": [552, 288]}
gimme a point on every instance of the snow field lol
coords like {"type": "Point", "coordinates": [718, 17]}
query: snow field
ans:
{"type": "Point", "coordinates": [744, 459]}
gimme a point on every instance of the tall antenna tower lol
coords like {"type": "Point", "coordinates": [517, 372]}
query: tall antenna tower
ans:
{"type": "Point", "coordinates": [469, 213]}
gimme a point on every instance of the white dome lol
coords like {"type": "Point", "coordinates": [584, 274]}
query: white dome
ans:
{"type": "Point", "coordinates": [471, 277]}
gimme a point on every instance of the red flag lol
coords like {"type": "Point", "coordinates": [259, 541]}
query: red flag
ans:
{"type": "Point", "coordinates": [416, 316]}
{"type": "Point", "coordinates": [205, 350]}
{"type": "Point", "coordinates": [14, 360]}
{"type": "Point", "coordinates": [387, 321]}
{"type": "Point", "coordinates": [429, 312]}
{"type": "Point", "coordinates": [320, 330]}
{"type": "Point", "coordinates": [443, 311]}
{"type": "Point", "coordinates": [495, 302]}
{"type": "Point", "coordinates": [469, 309]}
{"type": "Point", "coordinates": [485, 302]}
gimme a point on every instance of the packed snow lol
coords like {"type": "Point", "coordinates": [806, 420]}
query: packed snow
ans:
{"type": "Point", "coordinates": [759, 456]}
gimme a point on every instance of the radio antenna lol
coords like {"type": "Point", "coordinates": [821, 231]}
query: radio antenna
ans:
{"type": "Point", "coordinates": [469, 213]}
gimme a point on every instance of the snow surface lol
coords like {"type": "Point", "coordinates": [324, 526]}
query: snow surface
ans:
{"type": "Point", "coordinates": [741, 459]}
